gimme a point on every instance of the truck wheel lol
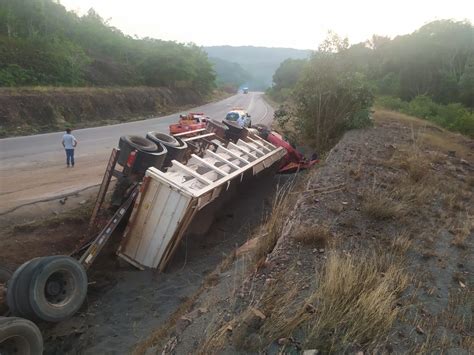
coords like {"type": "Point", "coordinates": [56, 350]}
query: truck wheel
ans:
{"type": "Point", "coordinates": [140, 143]}
{"type": "Point", "coordinates": [17, 291]}
{"type": "Point", "coordinates": [163, 138]}
{"type": "Point", "coordinates": [58, 288]}
{"type": "Point", "coordinates": [5, 275]}
{"type": "Point", "coordinates": [20, 336]}
{"type": "Point", "coordinates": [129, 143]}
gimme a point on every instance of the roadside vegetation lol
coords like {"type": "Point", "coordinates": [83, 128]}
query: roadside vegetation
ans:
{"type": "Point", "coordinates": [371, 253]}
{"type": "Point", "coordinates": [427, 74]}
{"type": "Point", "coordinates": [453, 116]}
{"type": "Point", "coordinates": [44, 44]}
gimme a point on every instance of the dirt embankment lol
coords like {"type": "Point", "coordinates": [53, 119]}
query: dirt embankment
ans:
{"type": "Point", "coordinates": [40, 110]}
{"type": "Point", "coordinates": [369, 252]}
{"type": "Point", "coordinates": [373, 253]}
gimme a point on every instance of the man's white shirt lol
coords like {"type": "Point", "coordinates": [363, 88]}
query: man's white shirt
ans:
{"type": "Point", "coordinates": [69, 141]}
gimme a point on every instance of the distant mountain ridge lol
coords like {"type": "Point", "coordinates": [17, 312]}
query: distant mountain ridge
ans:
{"type": "Point", "coordinates": [259, 62]}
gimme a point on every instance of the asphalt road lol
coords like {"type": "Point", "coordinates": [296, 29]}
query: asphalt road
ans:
{"type": "Point", "coordinates": [33, 167]}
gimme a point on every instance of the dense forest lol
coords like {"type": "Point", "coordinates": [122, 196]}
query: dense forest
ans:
{"type": "Point", "coordinates": [41, 43]}
{"type": "Point", "coordinates": [428, 73]}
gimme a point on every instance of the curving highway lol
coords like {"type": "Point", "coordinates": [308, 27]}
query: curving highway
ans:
{"type": "Point", "coordinates": [33, 167]}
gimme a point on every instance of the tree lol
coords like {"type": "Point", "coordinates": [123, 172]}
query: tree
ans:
{"type": "Point", "coordinates": [333, 43]}
{"type": "Point", "coordinates": [288, 73]}
{"type": "Point", "coordinates": [330, 96]}
{"type": "Point", "coordinates": [466, 84]}
{"type": "Point", "coordinates": [41, 43]}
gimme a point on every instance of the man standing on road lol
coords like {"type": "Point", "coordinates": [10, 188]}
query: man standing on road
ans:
{"type": "Point", "coordinates": [69, 143]}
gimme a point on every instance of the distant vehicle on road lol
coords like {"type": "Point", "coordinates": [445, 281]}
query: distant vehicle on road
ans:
{"type": "Point", "coordinates": [245, 90]}
{"type": "Point", "coordinates": [239, 115]}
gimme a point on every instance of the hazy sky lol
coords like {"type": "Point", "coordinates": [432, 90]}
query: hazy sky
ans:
{"type": "Point", "coordinates": [270, 23]}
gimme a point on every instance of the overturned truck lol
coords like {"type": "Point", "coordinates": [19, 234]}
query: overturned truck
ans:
{"type": "Point", "coordinates": [162, 183]}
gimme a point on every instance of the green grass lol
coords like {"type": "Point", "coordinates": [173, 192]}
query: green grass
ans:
{"type": "Point", "coordinates": [453, 116]}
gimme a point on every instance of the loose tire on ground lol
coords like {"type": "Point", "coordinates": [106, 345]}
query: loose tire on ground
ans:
{"type": "Point", "coordinates": [58, 288]}
{"type": "Point", "coordinates": [17, 290]}
{"type": "Point", "coordinates": [19, 336]}
{"type": "Point", "coordinates": [5, 275]}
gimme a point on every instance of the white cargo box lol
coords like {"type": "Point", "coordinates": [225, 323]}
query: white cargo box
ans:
{"type": "Point", "coordinates": [168, 202]}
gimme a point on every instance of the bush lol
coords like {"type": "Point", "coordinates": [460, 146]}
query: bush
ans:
{"type": "Point", "coordinates": [454, 116]}
{"type": "Point", "coordinates": [360, 119]}
{"type": "Point", "coordinates": [13, 74]}
{"type": "Point", "coordinates": [329, 98]}
{"type": "Point", "coordinates": [391, 103]}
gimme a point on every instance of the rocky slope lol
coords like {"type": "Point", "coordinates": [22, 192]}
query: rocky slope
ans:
{"type": "Point", "coordinates": [370, 252]}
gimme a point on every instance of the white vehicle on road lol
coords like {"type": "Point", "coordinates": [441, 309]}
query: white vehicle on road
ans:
{"type": "Point", "coordinates": [239, 116]}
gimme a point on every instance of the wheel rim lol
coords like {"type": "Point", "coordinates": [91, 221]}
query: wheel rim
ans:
{"type": "Point", "coordinates": [59, 288]}
{"type": "Point", "coordinates": [15, 345]}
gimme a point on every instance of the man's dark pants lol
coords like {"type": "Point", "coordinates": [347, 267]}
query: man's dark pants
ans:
{"type": "Point", "coordinates": [70, 157]}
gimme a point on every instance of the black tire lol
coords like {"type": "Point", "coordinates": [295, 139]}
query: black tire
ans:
{"type": "Point", "coordinates": [58, 288]}
{"type": "Point", "coordinates": [19, 336]}
{"type": "Point", "coordinates": [129, 143]}
{"type": "Point", "coordinates": [140, 143]}
{"type": "Point", "coordinates": [17, 290]}
{"type": "Point", "coordinates": [163, 138]}
{"type": "Point", "coordinates": [5, 274]}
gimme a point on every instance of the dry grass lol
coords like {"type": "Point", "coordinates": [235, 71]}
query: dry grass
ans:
{"type": "Point", "coordinates": [463, 231]}
{"type": "Point", "coordinates": [444, 142]}
{"type": "Point", "coordinates": [401, 244]}
{"type": "Point", "coordinates": [386, 116]}
{"type": "Point", "coordinates": [427, 134]}
{"type": "Point", "coordinates": [382, 205]}
{"type": "Point", "coordinates": [356, 173]}
{"type": "Point", "coordinates": [353, 306]}
{"type": "Point", "coordinates": [355, 302]}
{"type": "Point", "coordinates": [417, 166]}
{"type": "Point", "coordinates": [453, 202]}
{"type": "Point", "coordinates": [456, 318]}
{"type": "Point", "coordinates": [470, 181]}
{"type": "Point", "coordinates": [418, 187]}
{"type": "Point", "coordinates": [272, 228]}
{"type": "Point", "coordinates": [270, 318]}
{"type": "Point", "coordinates": [316, 236]}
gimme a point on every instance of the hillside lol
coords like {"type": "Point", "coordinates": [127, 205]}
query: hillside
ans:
{"type": "Point", "coordinates": [259, 62]}
{"type": "Point", "coordinates": [41, 43]}
{"type": "Point", "coordinates": [229, 74]}
{"type": "Point", "coordinates": [26, 111]}
{"type": "Point", "coordinates": [369, 253]}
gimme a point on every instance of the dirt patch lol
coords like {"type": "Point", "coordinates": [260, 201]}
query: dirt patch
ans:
{"type": "Point", "coordinates": [32, 111]}
{"type": "Point", "coordinates": [394, 273]}
{"type": "Point", "coordinates": [124, 304]}
{"type": "Point", "coordinates": [60, 233]}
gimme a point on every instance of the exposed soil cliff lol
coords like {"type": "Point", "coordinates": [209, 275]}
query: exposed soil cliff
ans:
{"type": "Point", "coordinates": [40, 110]}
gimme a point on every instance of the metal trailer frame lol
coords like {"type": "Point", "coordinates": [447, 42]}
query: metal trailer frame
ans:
{"type": "Point", "coordinates": [168, 202]}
